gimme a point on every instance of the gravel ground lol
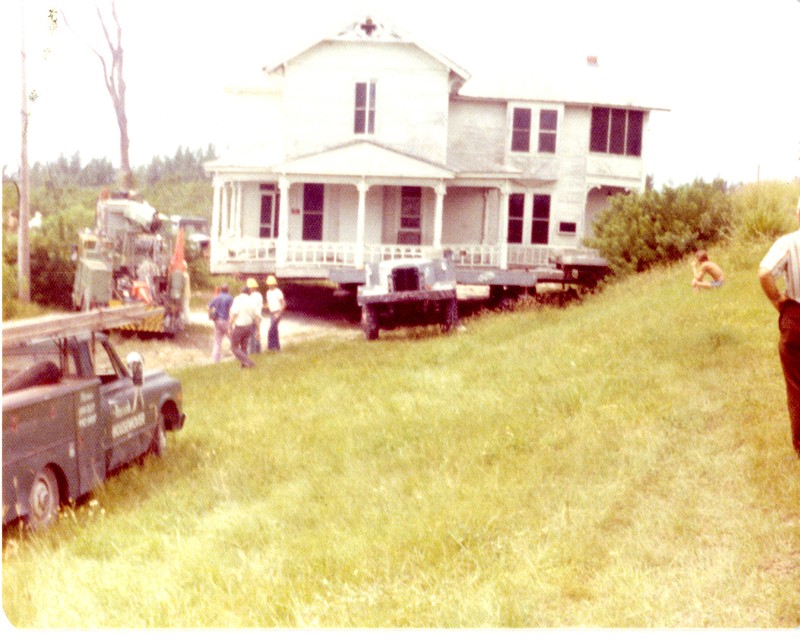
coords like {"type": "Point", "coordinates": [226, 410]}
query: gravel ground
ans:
{"type": "Point", "coordinates": [309, 320]}
{"type": "Point", "coordinates": [193, 346]}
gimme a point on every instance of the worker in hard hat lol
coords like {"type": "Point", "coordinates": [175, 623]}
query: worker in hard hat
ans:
{"type": "Point", "coordinates": [257, 300]}
{"type": "Point", "coordinates": [276, 304]}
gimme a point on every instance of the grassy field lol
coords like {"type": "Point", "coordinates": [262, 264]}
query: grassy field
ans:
{"type": "Point", "coordinates": [622, 462]}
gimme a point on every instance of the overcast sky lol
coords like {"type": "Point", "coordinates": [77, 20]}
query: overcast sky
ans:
{"type": "Point", "coordinates": [729, 71]}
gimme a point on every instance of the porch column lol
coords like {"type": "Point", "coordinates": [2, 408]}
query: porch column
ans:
{"type": "Point", "coordinates": [215, 213]}
{"type": "Point", "coordinates": [282, 241]}
{"type": "Point", "coordinates": [225, 212]}
{"type": "Point", "coordinates": [440, 189]}
{"type": "Point", "coordinates": [238, 198]}
{"type": "Point", "coordinates": [502, 231]}
{"type": "Point", "coordinates": [361, 222]}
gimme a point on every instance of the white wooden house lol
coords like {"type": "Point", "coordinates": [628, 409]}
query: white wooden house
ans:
{"type": "Point", "coordinates": [368, 145]}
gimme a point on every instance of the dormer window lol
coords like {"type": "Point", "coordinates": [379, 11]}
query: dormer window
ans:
{"type": "Point", "coordinates": [365, 107]}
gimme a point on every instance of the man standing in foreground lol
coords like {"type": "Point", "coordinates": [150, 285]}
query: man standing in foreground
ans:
{"type": "Point", "coordinates": [276, 304]}
{"type": "Point", "coordinates": [783, 260]}
{"type": "Point", "coordinates": [243, 321]}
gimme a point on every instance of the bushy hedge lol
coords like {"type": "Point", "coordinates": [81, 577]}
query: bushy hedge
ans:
{"type": "Point", "coordinates": [638, 231]}
{"type": "Point", "coordinates": [51, 267]}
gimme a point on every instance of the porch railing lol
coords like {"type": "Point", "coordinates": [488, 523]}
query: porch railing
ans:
{"type": "Point", "coordinates": [247, 248]}
{"type": "Point", "coordinates": [378, 252]}
{"type": "Point", "coordinates": [474, 254]}
{"type": "Point", "coordinates": [301, 253]}
{"type": "Point", "coordinates": [321, 253]}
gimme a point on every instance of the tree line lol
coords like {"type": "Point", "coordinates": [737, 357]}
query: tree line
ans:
{"type": "Point", "coordinates": [186, 165]}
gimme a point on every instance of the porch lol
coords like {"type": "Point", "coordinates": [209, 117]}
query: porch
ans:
{"type": "Point", "coordinates": [343, 262]}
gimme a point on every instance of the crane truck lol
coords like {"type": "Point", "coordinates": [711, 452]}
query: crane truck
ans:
{"type": "Point", "coordinates": [128, 258]}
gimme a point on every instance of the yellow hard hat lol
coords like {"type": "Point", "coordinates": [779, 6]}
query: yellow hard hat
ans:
{"type": "Point", "coordinates": [271, 281]}
{"type": "Point", "coordinates": [251, 282]}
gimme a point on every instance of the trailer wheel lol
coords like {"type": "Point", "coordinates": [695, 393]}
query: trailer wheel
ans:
{"type": "Point", "coordinates": [158, 445]}
{"type": "Point", "coordinates": [369, 322]}
{"type": "Point", "coordinates": [451, 315]}
{"type": "Point", "coordinates": [44, 500]}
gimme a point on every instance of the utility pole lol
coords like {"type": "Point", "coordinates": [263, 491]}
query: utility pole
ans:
{"type": "Point", "coordinates": [23, 245]}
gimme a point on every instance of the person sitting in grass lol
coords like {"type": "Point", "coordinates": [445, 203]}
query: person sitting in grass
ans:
{"type": "Point", "coordinates": [702, 266]}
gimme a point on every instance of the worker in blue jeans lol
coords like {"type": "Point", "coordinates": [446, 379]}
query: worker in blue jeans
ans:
{"type": "Point", "coordinates": [276, 305]}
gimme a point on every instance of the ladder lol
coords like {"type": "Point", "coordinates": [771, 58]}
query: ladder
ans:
{"type": "Point", "coordinates": [65, 324]}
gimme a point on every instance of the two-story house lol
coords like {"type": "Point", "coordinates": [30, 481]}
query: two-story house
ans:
{"type": "Point", "coordinates": [368, 145]}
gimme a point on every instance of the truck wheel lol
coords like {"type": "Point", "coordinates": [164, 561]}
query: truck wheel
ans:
{"type": "Point", "coordinates": [43, 500]}
{"type": "Point", "coordinates": [159, 444]}
{"type": "Point", "coordinates": [451, 315]}
{"type": "Point", "coordinates": [369, 322]}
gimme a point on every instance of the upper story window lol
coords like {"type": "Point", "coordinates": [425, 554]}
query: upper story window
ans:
{"type": "Point", "coordinates": [523, 129]}
{"type": "Point", "coordinates": [548, 125]}
{"type": "Point", "coordinates": [521, 132]}
{"type": "Point", "coordinates": [617, 131]}
{"type": "Point", "coordinates": [365, 107]}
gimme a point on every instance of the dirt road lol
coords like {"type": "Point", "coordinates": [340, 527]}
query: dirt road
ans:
{"type": "Point", "coordinates": [193, 347]}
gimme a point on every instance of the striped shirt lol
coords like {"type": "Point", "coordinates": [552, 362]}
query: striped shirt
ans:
{"type": "Point", "coordinates": [783, 259]}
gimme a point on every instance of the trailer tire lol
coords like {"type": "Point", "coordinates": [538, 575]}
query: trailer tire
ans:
{"type": "Point", "coordinates": [44, 500]}
{"type": "Point", "coordinates": [451, 315]}
{"type": "Point", "coordinates": [369, 322]}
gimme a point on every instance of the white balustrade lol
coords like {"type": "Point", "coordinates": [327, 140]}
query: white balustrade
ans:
{"type": "Point", "coordinates": [344, 253]}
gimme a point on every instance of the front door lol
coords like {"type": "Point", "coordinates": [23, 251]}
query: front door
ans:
{"type": "Point", "coordinates": [540, 228]}
{"type": "Point", "coordinates": [313, 206]}
{"type": "Point", "coordinates": [268, 226]}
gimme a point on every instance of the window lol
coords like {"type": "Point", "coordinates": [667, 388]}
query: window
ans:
{"type": "Point", "coordinates": [313, 205]}
{"type": "Point", "coordinates": [548, 124]}
{"type": "Point", "coordinates": [410, 215]}
{"type": "Point", "coordinates": [617, 131]}
{"type": "Point", "coordinates": [516, 208]}
{"type": "Point", "coordinates": [568, 228]}
{"type": "Point", "coordinates": [270, 205]}
{"type": "Point", "coordinates": [521, 131]}
{"type": "Point", "coordinates": [365, 107]}
{"type": "Point", "coordinates": [540, 230]}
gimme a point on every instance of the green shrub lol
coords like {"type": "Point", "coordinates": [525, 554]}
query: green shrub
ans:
{"type": "Point", "coordinates": [52, 268]}
{"type": "Point", "coordinates": [638, 231]}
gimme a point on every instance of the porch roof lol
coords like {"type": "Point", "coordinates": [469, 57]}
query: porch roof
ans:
{"type": "Point", "coordinates": [364, 159]}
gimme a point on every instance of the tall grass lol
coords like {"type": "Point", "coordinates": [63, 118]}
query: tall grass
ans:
{"type": "Point", "coordinates": [624, 462]}
{"type": "Point", "coordinates": [764, 210]}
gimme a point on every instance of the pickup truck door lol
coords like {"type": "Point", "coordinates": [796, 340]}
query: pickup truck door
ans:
{"type": "Point", "coordinates": [129, 421]}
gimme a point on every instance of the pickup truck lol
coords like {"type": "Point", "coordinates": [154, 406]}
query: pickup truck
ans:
{"type": "Point", "coordinates": [74, 412]}
{"type": "Point", "coordinates": [408, 292]}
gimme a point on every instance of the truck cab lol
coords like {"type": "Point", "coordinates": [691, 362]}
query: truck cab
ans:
{"type": "Point", "coordinates": [408, 292]}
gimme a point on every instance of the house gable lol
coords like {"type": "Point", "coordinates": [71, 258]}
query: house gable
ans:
{"type": "Point", "coordinates": [377, 31]}
{"type": "Point", "coordinates": [362, 160]}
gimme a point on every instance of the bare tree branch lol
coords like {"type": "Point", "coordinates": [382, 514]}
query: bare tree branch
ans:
{"type": "Point", "coordinates": [115, 85]}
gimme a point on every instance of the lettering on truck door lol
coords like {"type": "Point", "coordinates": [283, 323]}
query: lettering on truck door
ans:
{"type": "Point", "coordinates": [130, 422]}
{"type": "Point", "coordinates": [91, 458]}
